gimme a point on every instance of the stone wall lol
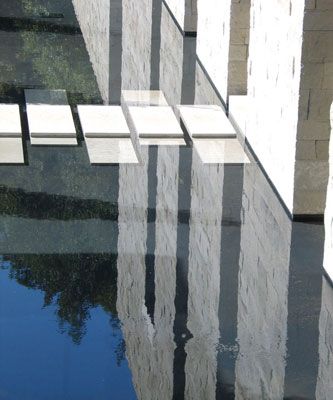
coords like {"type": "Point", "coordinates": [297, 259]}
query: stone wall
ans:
{"type": "Point", "coordinates": [213, 41]}
{"type": "Point", "coordinates": [328, 257]}
{"type": "Point", "coordinates": [239, 47]}
{"type": "Point", "coordinates": [316, 96]}
{"type": "Point", "coordinates": [273, 88]}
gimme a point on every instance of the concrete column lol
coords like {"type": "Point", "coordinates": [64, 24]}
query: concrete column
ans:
{"type": "Point", "coordinates": [328, 255]}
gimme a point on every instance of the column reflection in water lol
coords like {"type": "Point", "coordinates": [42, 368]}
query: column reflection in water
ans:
{"type": "Point", "coordinates": [324, 387]}
{"type": "Point", "coordinates": [262, 291]}
{"type": "Point", "coordinates": [204, 279]}
{"type": "Point", "coordinates": [136, 44]}
{"type": "Point", "coordinates": [149, 341]}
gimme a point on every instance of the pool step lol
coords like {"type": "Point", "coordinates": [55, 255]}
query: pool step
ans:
{"type": "Point", "coordinates": [50, 118]}
{"type": "Point", "coordinates": [107, 135]}
{"type": "Point", "coordinates": [11, 145]}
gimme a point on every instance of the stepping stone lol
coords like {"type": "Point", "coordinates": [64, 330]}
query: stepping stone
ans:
{"type": "Point", "coordinates": [206, 122]}
{"type": "Point", "coordinates": [107, 135]}
{"type": "Point", "coordinates": [50, 118]}
{"type": "Point", "coordinates": [220, 151]}
{"type": "Point", "coordinates": [103, 121]}
{"type": "Point", "coordinates": [51, 125]}
{"type": "Point", "coordinates": [143, 98]}
{"type": "Point", "coordinates": [11, 146]}
{"type": "Point", "coordinates": [238, 111]}
{"type": "Point", "coordinates": [155, 122]}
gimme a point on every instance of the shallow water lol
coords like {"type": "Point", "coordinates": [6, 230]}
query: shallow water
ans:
{"type": "Point", "coordinates": [165, 280]}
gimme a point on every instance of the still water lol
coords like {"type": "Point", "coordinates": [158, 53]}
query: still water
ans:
{"type": "Point", "coordinates": [165, 280]}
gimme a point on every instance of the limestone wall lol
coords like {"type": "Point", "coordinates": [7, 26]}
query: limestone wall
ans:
{"type": "Point", "coordinates": [239, 47]}
{"type": "Point", "coordinates": [94, 20]}
{"type": "Point", "coordinates": [328, 257]}
{"type": "Point", "coordinates": [213, 40]}
{"type": "Point", "coordinates": [273, 88]}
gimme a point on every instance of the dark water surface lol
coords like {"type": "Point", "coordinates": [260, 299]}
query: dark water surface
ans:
{"type": "Point", "coordinates": [165, 280]}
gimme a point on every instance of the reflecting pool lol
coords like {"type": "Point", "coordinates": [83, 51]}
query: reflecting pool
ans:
{"type": "Point", "coordinates": [170, 279]}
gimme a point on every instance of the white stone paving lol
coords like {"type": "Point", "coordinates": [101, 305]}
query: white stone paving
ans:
{"type": "Point", "coordinates": [155, 122]}
{"type": "Point", "coordinates": [10, 122]}
{"type": "Point", "coordinates": [99, 121]}
{"type": "Point", "coordinates": [51, 125]}
{"type": "Point", "coordinates": [203, 121]}
{"type": "Point", "coordinates": [143, 98]}
{"type": "Point", "coordinates": [111, 151]}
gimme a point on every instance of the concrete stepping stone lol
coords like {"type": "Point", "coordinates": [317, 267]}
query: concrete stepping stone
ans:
{"type": "Point", "coordinates": [143, 98]}
{"type": "Point", "coordinates": [156, 125]}
{"type": "Point", "coordinates": [220, 151]}
{"type": "Point", "coordinates": [50, 118]}
{"type": "Point", "coordinates": [203, 121]}
{"type": "Point", "coordinates": [107, 135]}
{"type": "Point", "coordinates": [11, 146]}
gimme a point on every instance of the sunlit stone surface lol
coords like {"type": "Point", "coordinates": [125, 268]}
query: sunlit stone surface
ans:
{"type": "Point", "coordinates": [10, 122]}
{"type": "Point", "coordinates": [155, 122]}
{"type": "Point", "coordinates": [206, 122]}
{"type": "Point", "coordinates": [51, 124]}
{"type": "Point", "coordinates": [220, 151]}
{"type": "Point", "coordinates": [328, 257]}
{"type": "Point", "coordinates": [239, 112]}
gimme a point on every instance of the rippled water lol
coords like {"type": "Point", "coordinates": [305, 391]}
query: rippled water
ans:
{"type": "Point", "coordinates": [165, 280]}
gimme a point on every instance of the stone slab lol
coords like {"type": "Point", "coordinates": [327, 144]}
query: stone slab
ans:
{"type": "Point", "coordinates": [99, 121]}
{"type": "Point", "coordinates": [162, 142]}
{"type": "Point", "coordinates": [111, 151]}
{"type": "Point", "coordinates": [238, 112]}
{"type": "Point", "coordinates": [43, 96]}
{"type": "Point", "coordinates": [11, 151]}
{"type": "Point", "coordinates": [10, 122]}
{"type": "Point", "coordinates": [220, 151]}
{"type": "Point", "coordinates": [143, 98]}
{"type": "Point", "coordinates": [51, 122]}
{"type": "Point", "coordinates": [206, 121]}
{"type": "Point", "coordinates": [155, 122]}
{"type": "Point", "coordinates": [40, 141]}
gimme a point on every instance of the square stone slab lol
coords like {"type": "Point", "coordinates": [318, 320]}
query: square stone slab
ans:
{"type": "Point", "coordinates": [11, 151]}
{"type": "Point", "coordinates": [43, 96]}
{"type": "Point", "coordinates": [206, 121]}
{"type": "Point", "coordinates": [103, 121]}
{"type": "Point", "coordinates": [51, 122]}
{"type": "Point", "coordinates": [143, 98]}
{"type": "Point", "coordinates": [111, 151]}
{"type": "Point", "coordinates": [220, 151]}
{"type": "Point", "coordinates": [155, 122]}
{"type": "Point", "coordinates": [10, 122]}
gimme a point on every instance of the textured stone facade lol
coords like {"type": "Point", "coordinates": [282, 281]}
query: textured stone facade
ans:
{"type": "Point", "coordinates": [328, 257]}
{"type": "Point", "coordinates": [262, 291]}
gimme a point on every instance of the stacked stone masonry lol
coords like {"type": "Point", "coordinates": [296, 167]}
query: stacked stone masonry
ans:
{"type": "Point", "coordinates": [328, 256]}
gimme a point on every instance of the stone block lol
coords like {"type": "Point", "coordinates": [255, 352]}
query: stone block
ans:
{"type": "Point", "coordinates": [314, 130]}
{"type": "Point", "coordinates": [320, 103]}
{"type": "Point", "coordinates": [238, 53]}
{"type": "Point", "coordinates": [317, 46]}
{"type": "Point", "coordinates": [312, 75]}
{"type": "Point", "coordinates": [318, 20]}
{"type": "Point", "coordinates": [11, 150]}
{"type": "Point", "coordinates": [154, 122]}
{"type": "Point", "coordinates": [306, 150]}
{"type": "Point", "coordinates": [206, 121]}
{"type": "Point", "coordinates": [103, 121]}
{"type": "Point", "coordinates": [324, 4]}
{"type": "Point", "coordinates": [322, 149]}
{"type": "Point", "coordinates": [328, 76]}
{"type": "Point", "coordinates": [143, 98]}
{"type": "Point", "coordinates": [310, 4]}
{"type": "Point", "coordinates": [303, 107]}
{"type": "Point", "coordinates": [10, 122]}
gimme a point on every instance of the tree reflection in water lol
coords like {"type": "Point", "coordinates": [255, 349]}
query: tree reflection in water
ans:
{"type": "Point", "coordinates": [74, 284]}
